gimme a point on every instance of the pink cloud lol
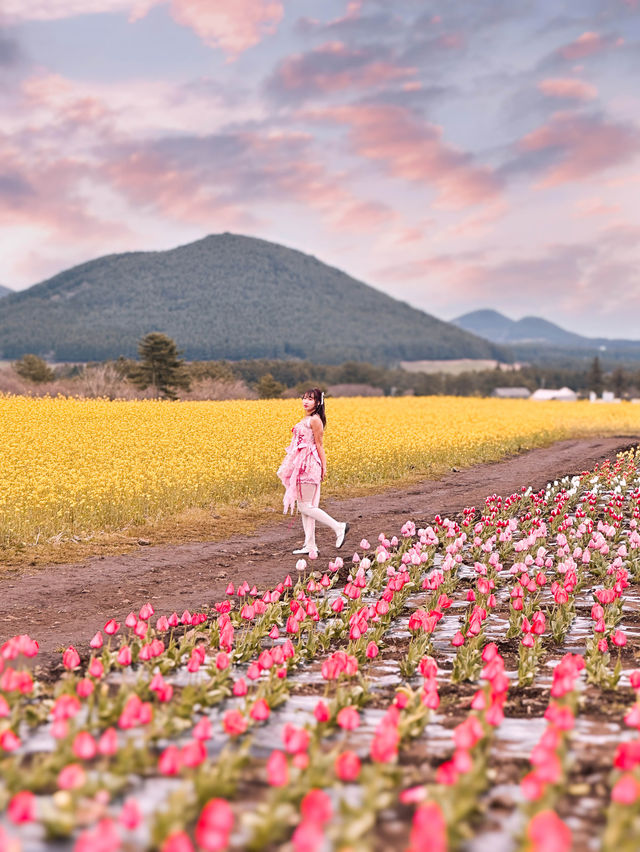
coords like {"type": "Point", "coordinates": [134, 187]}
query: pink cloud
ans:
{"type": "Point", "coordinates": [415, 151]}
{"type": "Point", "coordinates": [587, 207]}
{"type": "Point", "coordinates": [452, 41]}
{"type": "Point", "coordinates": [586, 145]}
{"type": "Point", "coordinates": [46, 195]}
{"type": "Point", "coordinates": [567, 87]}
{"type": "Point", "coordinates": [585, 45]}
{"type": "Point", "coordinates": [334, 67]}
{"type": "Point", "coordinates": [232, 26]}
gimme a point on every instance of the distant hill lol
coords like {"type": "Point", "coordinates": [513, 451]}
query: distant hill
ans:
{"type": "Point", "coordinates": [225, 296]}
{"type": "Point", "coordinates": [494, 326]}
{"type": "Point", "coordinates": [4, 291]}
{"type": "Point", "coordinates": [537, 339]}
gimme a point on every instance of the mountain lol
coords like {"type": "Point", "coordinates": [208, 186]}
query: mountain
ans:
{"type": "Point", "coordinates": [496, 327]}
{"type": "Point", "coordinates": [4, 291]}
{"type": "Point", "coordinates": [537, 339]}
{"type": "Point", "coordinates": [225, 296]}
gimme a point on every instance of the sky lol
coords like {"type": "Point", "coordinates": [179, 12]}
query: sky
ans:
{"type": "Point", "coordinates": [455, 155]}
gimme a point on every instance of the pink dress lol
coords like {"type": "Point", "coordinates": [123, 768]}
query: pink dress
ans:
{"type": "Point", "coordinates": [301, 463]}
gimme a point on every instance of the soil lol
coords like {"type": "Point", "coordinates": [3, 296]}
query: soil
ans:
{"type": "Point", "coordinates": [65, 604]}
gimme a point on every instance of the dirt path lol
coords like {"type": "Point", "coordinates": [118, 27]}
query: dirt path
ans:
{"type": "Point", "coordinates": [62, 604]}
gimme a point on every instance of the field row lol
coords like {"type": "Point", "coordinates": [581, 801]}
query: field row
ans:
{"type": "Point", "coordinates": [76, 467]}
{"type": "Point", "coordinates": [466, 685]}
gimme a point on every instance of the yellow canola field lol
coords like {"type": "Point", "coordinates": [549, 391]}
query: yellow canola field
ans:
{"type": "Point", "coordinates": [70, 466]}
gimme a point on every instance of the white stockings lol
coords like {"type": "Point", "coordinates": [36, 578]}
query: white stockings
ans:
{"type": "Point", "coordinates": [308, 507]}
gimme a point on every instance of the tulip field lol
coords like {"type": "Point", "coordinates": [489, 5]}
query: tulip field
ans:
{"type": "Point", "coordinates": [77, 467]}
{"type": "Point", "coordinates": [471, 684]}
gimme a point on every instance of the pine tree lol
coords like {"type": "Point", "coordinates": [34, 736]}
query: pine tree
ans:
{"type": "Point", "coordinates": [268, 387]}
{"type": "Point", "coordinates": [160, 365]}
{"type": "Point", "coordinates": [595, 379]}
{"type": "Point", "coordinates": [33, 369]}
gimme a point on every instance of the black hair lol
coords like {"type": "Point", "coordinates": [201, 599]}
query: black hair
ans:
{"type": "Point", "coordinates": [318, 398]}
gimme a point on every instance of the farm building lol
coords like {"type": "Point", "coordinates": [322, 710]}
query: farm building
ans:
{"type": "Point", "coordinates": [563, 395]}
{"type": "Point", "coordinates": [511, 393]}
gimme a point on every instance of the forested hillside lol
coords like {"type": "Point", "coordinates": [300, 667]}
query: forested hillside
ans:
{"type": "Point", "coordinates": [225, 296]}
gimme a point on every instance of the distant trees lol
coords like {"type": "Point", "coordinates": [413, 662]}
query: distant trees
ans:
{"type": "Point", "coordinates": [268, 387]}
{"type": "Point", "coordinates": [160, 366]}
{"type": "Point", "coordinates": [33, 369]}
{"type": "Point", "coordinates": [595, 378]}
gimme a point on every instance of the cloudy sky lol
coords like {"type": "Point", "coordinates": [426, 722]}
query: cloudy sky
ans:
{"type": "Point", "coordinates": [457, 155]}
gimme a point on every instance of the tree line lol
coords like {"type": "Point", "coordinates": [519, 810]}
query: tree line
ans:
{"type": "Point", "coordinates": [160, 366]}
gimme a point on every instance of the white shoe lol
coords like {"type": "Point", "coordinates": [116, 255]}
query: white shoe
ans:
{"type": "Point", "coordinates": [342, 535]}
{"type": "Point", "coordinates": [301, 551]}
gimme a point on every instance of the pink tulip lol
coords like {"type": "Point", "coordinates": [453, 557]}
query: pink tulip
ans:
{"type": "Point", "coordinates": [169, 761]}
{"type": "Point", "coordinates": [214, 826]}
{"type": "Point", "coordinates": [130, 815]}
{"type": "Point", "coordinates": [84, 746]}
{"type": "Point", "coordinates": [347, 766]}
{"type": "Point", "coordinates": [22, 808]}
{"type": "Point", "coordinates": [71, 777]}
{"type": "Point", "coordinates": [234, 723]}
{"type": "Point", "coordinates": [108, 742]}
{"type": "Point", "coordinates": [84, 687]}
{"type": "Point", "coordinates": [240, 687]}
{"type": "Point", "coordinates": [203, 731]}
{"type": "Point", "coordinates": [316, 807]}
{"type": "Point", "coordinates": [321, 712]}
{"type": "Point", "coordinates": [146, 611]}
{"type": "Point", "coordinates": [124, 656]}
{"type": "Point", "coordinates": [96, 642]}
{"type": "Point", "coordinates": [70, 658]}
{"type": "Point", "coordinates": [457, 640]}
{"type": "Point", "coordinates": [548, 833]}
{"type": "Point", "coordinates": [277, 769]}
{"type": "Point", "coordinates": [619, 639]}
{"type": "Point", "coordinates": [9, 741]}
{"type": "Point", "coordinates": [178, 841]}
{"type": "Point", "coordinates": [295, 739]}
{"type": "Point", "coordinates": [111, 627]}
{"type": "Point", "coordinates": [260, 710]}
{"type": "Point", "coordinates": [348, 718]}
{"type": "Point", "coordinates": [193, 754]}
{"type": "Point", "coordinates": [95, 668]}
{"type": "Point", "coordinates": [625, 790]}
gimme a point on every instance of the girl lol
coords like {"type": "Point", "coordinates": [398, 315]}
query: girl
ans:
{"type": "Point", "coordinates": [303, 469]}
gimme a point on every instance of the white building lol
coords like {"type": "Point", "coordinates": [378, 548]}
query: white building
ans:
{"type": "Point", "coordinates": [562, 395]}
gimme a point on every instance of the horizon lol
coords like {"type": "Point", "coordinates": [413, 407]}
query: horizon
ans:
{"type": "Point", "coordinates": [455, 158]}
